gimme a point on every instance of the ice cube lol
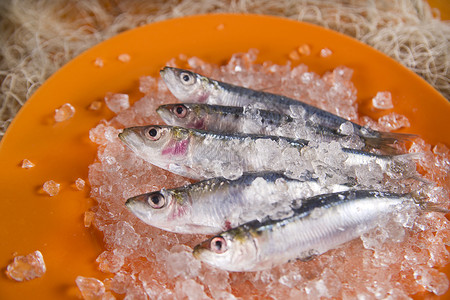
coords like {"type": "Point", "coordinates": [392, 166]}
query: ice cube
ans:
{"type": "Point", "coordinates": [294, 55]}
{"type": "Point", "coordinates": [26, 267]}
{"type": "Point", "coordinates": [65, 112]}
{"type": "Point", "coordinates": [346, 128]}
{"type": "Point", "coordinates": [325, 52]}
{"type": "Point", "coordinates": [290, 279]}
{"type": "Point", "coordinates": [147, 84]}
{"type": "Point", "coordinates": [88, 218]}
{"type": "Point", "coordinates": [98, 62]}
{"type": "Point", "coordinates": [90, 288]}
{"type": "Point", "coordinates": [51, 187]}
{"type": "Point", "coordinates": [383, 100]}
{"type": "Point", "coordinates": [26, 164]}
{"type": "Point", "coordinates": [394, 121]}
{"type": "Point", "coordinates": [80, 184]}
{"type": "Point", "coordinates": [180, 262]}
{"type": "Point", "coordinates": [431, 279]}
{"type": "Point", "coordinates": [124, 57]}
{"type": "Point", "coordinates": [110, 261]}
{"type": "Point", "coordinates": [304, 49]}
{"type": "Point", "coordinates": [117, 102]}
{"type": "Point", "coordinates": [190, 289]}
{"type": "Point", "coordinates": [95, 105]}
{"type": "Point", "coordinates": [125, 235]}
{"type": "Point", "coordinates": [442, 150]}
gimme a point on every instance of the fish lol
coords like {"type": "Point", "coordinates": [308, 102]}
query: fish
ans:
{"type": "Point", "coordinates": [217, 204]}
{"type": "Point", "coordinates": [219, 118]}
{"type": "Point", "coordinates": [322, 223]}
{"type": "Point", "coordinates": [230, 119]}
{"type": "Point", "coordinates": [188, 86]}
{"type": "Point", "coordinates": [199, 154]}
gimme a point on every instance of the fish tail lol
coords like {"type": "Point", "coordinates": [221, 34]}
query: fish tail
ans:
{"type": "Point", "coordinates": [402, 165]}
{"type": "Point", "coordinates": [385, 141]}
{"type": "Point", "coordinates": [377, 143]}
{"type": "Point", "coordinates": [395, 137]}
{"type": "Point", "coordinates": [421, 199]}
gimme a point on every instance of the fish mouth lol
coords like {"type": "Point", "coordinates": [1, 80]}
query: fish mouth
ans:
{"type": "Point", "coordinates": [138, 208]}
{"type": "Point", "coordinates": [197, 252]}
{"type": "Point", "coordinates": [164, 112]}
{"type": "Point", "coordinates": [125, 135]}
{"type": "Point", "coordinates": [169, 74]}
{"type": "Point", "coordinates": [129, 203]}
{"type": "Point", "coordinates": [130, 138]}
{"type": "Point", "coordinates": [161, 109]}
{"type": "Point", "coordinates": [122, 136]}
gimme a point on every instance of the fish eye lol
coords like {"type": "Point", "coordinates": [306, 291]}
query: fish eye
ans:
{"type": "Point", "coordinates": [180, 110]}
{"type": "Point", "coordinates": [187, 78]}
{"type": "Point", "coordinates": [218, 245]}
{"type": "Point", "coordinates": [153, 133]}
{"type": "Point", "coordinates": [156, 200]}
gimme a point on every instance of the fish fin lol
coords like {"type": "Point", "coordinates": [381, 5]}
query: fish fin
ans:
{"type": "Point", "coordinates": [421, 200]}
{"type": "Point", "coordinates": [308, 255]}
{"type": "Point", "coordinates": [307, 258]}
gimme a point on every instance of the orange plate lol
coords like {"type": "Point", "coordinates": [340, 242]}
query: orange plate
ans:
{"type": "Point", "coordinates": [62, 151]}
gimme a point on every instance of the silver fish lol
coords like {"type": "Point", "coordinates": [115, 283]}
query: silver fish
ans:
{"type": "Point", "coordinates": [218, 204]}
{"type": "Point", "coordinates": [230, 119]}
{"type": "Point", "coordinates": [188, 86]}
{"type": "Point", "coordinates": [218, 118]}
{"type": "Point", "coordinates": [322, 223]}
{"type": "Point", "coordinates": [200, 154]}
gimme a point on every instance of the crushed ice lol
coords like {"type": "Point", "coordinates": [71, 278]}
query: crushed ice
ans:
{"type": "Point", "coordinates": [27, 164]}
{"type": "Point", "coordinates": [393, 261]}
{"type": "Point", "coordinates": [51, 187]}
{"type": "Point", "coordinates": [26, 267]}
{"type": "Point", "coordinates": [65, 112]}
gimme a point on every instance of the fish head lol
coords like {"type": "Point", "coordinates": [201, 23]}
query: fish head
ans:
{"type": "Point", "coordinates": [230, 250]}
{"type": "Point", "coordinates": [160, 209]}
{"type": "Point", "coordinates": [188, 115]}
{"type": "Point", "coordinates": [157, 144]}
{"type": "Point", "coordinates": [185, 85]}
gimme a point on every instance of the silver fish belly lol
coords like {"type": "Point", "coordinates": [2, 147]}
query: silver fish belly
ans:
{"type": "Point", "coordinates": [200, 154]}
{"type": "Point", "coordinates": [218, 204]}
{"type": "Point", "coordinates": [322, 223]}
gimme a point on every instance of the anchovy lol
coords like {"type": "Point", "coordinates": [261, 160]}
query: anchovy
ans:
{"type": "Point", "coordinates": [322, 223]}
{"type": "Point", "coordinates": [230, 119]}
{"type": "Point", "coordinates": [200, 154]}
{"type": "Point", "coordinates": [188, 86]}
{"type": "Point", "coordinates": [218, 204]}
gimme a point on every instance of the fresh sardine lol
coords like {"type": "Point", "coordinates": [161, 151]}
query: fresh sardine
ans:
{"type": "Point", "coordinates": [200, 154]}
{"type": "Point", "coordinates": [188, 86]}
{"type": "Point", "coordinates": [218, 204]}
{"type": "Point", "coordinates": [231, 119]}
{"type": "Point", "coordinates": [322, 223]}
